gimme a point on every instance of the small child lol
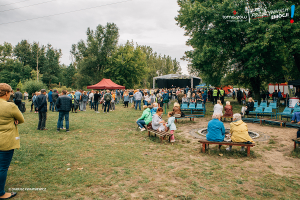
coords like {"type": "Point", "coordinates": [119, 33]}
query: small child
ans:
{"type": "Point", "coordinates": [171, 125]}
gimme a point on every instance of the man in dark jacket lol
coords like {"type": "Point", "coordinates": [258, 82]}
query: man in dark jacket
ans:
{"type": "Point", "coordinates": [41, 104]}
{"type": "Point", "coordinates": [54, 99]}
{"type": "Point", "coordinates": [64, 105]}
{"type": "Point", "coordinates": [239, 96]}
{"type": "Point", "coordinates": [18, 98]}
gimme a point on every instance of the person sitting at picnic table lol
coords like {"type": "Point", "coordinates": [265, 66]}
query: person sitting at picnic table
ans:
{"type": "Point", "coordinates": [239, 131]}
{"type": "Point", "coordinates": [157, 122]}
{"type": "Point", "coordinates": [185, 99]}
{"type": "Point", "coordinates": [228, 109]}
{"type": "Point", "coordinates": [248, 107]}
{"type": "Point", "coordinates": [215, 129]}
{"type": "Point", "coordinates": [218, 108]}
{"type": "Point", "coordinates": [145, 119]}
{"type": "Point", "coordinates": [176, 110]}
{"type": "Point", "coordinates": [296, 117]}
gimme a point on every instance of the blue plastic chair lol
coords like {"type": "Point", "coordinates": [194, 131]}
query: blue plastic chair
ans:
{"type": "Point", "coordinates": [268, 110]}
{"type": "Point", "coordinates": [184, 106]}
{"type": "Point", "coordinates": [263, 104]}
{"type": "Point", "coordinates": [255, 104]}
{"type": "Point", "coordinates": [257, 110]}
{"type": "Point", "coordinates": [199, 106]}
{"type": "Point", "coordinates": [286, 112]}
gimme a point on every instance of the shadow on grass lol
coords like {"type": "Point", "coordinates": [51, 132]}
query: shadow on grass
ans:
{"type": "Point", "coordinates": [234, 153]}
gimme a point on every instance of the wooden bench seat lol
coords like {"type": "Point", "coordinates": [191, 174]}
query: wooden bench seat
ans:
{"type": "Point", "coordinates": [205, 142]}
{"type": "Point", "coordinates": [275, 121]}
{"type": "Point", "coordinates": [162, 135]}
{"type": "Point", "coordinates": [296, 141]}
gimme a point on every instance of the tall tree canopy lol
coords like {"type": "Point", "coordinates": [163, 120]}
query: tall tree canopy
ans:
{"type": "Point", "coordinates": [249, 53]}
{"type": "Point", "coordinates": [92, 57]}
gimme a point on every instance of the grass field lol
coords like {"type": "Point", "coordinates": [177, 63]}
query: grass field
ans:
{"type": "Point", "coordinates": [105, 156]}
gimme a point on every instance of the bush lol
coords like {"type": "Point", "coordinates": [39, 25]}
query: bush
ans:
{"type": "Point", "coordinates": [62, 88]}
{"type": "Point", "coordinates": [33, 86]}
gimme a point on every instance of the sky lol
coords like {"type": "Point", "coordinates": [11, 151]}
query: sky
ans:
{"type": "Point", "coordinates": [146, 22]}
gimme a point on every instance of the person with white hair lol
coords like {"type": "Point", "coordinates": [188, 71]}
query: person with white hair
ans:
{"type": "Point", "coordinates": [228, 109]}
{"type": "Point", "coordinates": [215, 129]}
{"type": "Point", "coordinates": [218, 108]}
{"type": "Point", "coordinates": [239, 131]}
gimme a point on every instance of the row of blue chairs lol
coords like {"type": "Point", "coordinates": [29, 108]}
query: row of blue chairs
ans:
{"type": "Point", "coordinates": [263, 111]}
{"type": "Point", "coordinates": [199, 106]}
{"type": "Point", "coordinates": [288, 112]}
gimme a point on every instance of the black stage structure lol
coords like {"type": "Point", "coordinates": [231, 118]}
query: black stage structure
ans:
{"type": "Point", "coordinates": [177, 80]}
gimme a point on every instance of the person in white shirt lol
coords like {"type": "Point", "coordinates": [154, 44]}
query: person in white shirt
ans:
{"type": "Point", "coordinates": [91, 99]}
{"type": "Point", "coordinates": [218, 108]}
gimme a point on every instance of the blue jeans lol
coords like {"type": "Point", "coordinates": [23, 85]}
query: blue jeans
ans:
{"type": "Point", "coordinates": [5, 159]}
{"type": "Point", "coordinates": [145, 103]}
{"type": "Point", "coordinates": [296, 117]}
{"type": "Point", "coordinates": [92, 104]}
{"type": "Point", "coordinates": [96, 104]}
{"type": "Point", "coordinates": [54, 106]}
{"type": "Point", "coordinates": [61, 117]}
{"type": "Point", "coordinates": [136, 103]}
{"type": "Point", "coordinates": [107, 103]}
{"type": "Point", "coordinates": [141, 123]}
{"type": "Point", "coordinates": [130, 99]}
{"type": "Point", "coordinates": [50, 106]}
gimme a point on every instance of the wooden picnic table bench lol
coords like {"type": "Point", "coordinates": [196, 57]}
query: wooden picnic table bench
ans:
{"type": "Point", "coordinates": [162, 135]}
{"type": "Point", "coordinates": [296, 141]}
{"type": "Point", "coordinates": [205, 142]}
{"type": "Point", "coordinates": [275, 121]}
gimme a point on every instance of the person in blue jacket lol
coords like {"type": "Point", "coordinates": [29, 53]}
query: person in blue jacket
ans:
{"type": "Point", "coordinates": [215, 129]}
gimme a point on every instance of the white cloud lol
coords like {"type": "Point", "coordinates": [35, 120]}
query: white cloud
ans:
{"type": "Point", "coordinates": [146, 22]}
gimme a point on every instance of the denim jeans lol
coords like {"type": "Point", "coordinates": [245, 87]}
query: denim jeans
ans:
{"type": "Point", "coordinates": [61, 117]}
{"type": "Point", "coordinates": [54, 106]}
{"type": "Point", "coordinates": [145, 103]}
{"type": "Point", "coordinates": [107, 104]}
{"type": "Point", "coordinates": [136, 103]}
{"type": "Point", "coordinates": [96, 104]}
{"type": "Point", "coordinates": [130, 99]}
{"type": "Point", "coordinates": [92, 105]}
{"type": "Point", "coordinates": [5, 159]}
{"type": "Point", "coordinates": [296, 117]}
{"type": "Point", "coordinates": [50, 106]}
{"type": "Point", "coordinates": [141, 123]}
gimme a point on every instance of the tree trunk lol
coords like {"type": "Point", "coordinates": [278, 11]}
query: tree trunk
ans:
{"type": "Point", "coordinates": [255, 84]}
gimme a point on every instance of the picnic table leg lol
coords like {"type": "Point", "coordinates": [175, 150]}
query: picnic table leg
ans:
{"type": "Point", "coordinates": [148, 133]}
{"type": "Point", "coordinates": [281, 125]}
{"type": "Point", "coordinates": [248, 150]}
{"type": "Point", "coordinates": [220, 147]}
{"type": "Point", "coordinates": [175, 120]}
{"type": "Point", "coordinates": [294, 145]}
{"type": "Point", "coordinates": [203, 147]}
{"type": "Point", "coordinates": [161, 139]}
{"type": "Point", "coordinates": [193, 119]}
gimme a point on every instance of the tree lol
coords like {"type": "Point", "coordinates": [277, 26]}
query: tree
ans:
{"type": "Point", "coordinates": [128, 65]}
{"type": "Point", "coordinates": [92, 57]}
{"type": "Point", "coordinates": [248, 53]}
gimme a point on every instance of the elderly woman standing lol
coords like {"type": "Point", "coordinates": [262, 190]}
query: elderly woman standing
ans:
{"type": "Point", "coordinates": [218, 108]}
{"type": "Point", "coordinates": [239, 131]}
{"type": "Point", "coordinates": [10, 117]}
{"type": "Point", "coordinates": [215, 129]}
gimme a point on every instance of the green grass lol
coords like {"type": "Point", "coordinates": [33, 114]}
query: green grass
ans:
{"type": "Point", "coordinates": [110, 159]}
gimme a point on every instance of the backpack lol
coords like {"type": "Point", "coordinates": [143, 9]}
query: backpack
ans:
{"type": "Point", "coordinates": [107, 97]}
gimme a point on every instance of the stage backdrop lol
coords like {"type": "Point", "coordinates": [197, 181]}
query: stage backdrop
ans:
{"type": "Point", "coordinates": [182, 83]}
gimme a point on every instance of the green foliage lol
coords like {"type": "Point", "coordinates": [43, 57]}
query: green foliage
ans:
{"type": "Point", "coordinates": [32, 86]}
{"type": "Point", "coordinates": [92, 57]}
{"type": "Point", "coordinates": [128, 65]}
{"type": "Point", "coordinates": [264, 50]}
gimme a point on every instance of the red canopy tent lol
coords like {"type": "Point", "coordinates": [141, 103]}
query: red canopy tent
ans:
{"type": "Point", "coordinates": [106, 84]}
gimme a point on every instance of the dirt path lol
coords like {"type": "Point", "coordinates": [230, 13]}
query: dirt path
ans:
{"type": "Point", "coordinates": [274, 151]}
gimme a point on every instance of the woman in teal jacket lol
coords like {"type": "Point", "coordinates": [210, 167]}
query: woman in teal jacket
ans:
{"type": "Point", "coordinates": [145, 119]}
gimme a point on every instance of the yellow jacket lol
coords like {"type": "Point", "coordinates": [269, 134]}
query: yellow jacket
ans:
{"type": "Point", "coordinates": [239, 132]}
{"type": "Point", "coordinates": [9, 134]}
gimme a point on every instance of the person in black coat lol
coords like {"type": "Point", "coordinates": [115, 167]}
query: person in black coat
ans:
{"type": "Point", "coordinates": [54, 99]}
{"type": "Point", "coordinates": [41, 103]}
{"type": "Point", "coordinates": [64, 106]}
{"type": "Point", "coordinates": [249, 106]}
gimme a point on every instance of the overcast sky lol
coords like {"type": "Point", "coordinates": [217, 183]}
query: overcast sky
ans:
{"type": "Point", "coordinates": [146, 22]}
